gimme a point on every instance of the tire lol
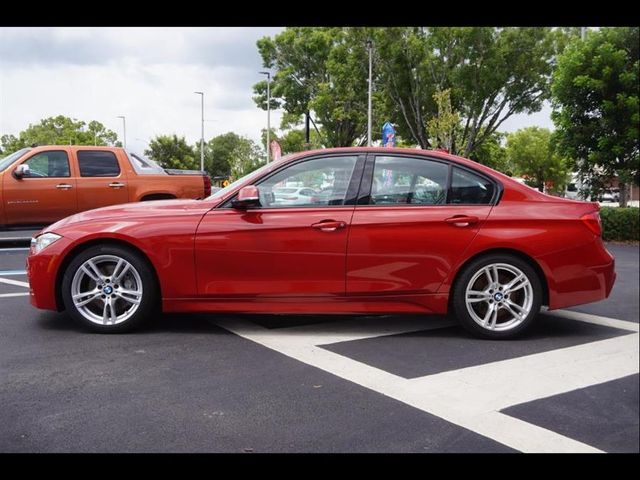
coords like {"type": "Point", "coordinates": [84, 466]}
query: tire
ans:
{"type": "Point", "coordinates": [108, 303]}
{"type": "Point", "coordinates": [475, 298]}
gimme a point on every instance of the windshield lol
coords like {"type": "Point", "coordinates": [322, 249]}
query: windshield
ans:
{"type": "Point", "coordinates": [8, 160]}
{"type": "Point", "coordinates": [231, 186]}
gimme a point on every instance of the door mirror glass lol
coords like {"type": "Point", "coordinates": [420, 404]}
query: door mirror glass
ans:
{"type": "Point", "coordinates": [248, 196]}
{"type": "Point", "coordinates": [21, 171]}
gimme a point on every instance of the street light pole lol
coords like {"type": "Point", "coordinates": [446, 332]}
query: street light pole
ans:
{"type": "Point", "coordinates": [268, 74]}
{"type": "Point", "coordinates": [369, 46]}
{"type": "Point", "coordinates": [124, 130]}
{"type": "Point", "coordinates": [202, 130]}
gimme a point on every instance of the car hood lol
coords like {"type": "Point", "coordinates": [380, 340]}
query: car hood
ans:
{"type": "Point", "coordinates": [120, 216]}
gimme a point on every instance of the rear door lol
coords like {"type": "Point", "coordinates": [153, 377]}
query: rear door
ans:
{"type": "Point", "coordinates": [102, 179]}
{"type": "Point", "coordinates": [46, 195]}
{"type": "Point", "coordinates": [415, 217]}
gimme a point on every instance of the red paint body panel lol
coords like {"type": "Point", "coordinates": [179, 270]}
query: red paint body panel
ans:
{"type": "Point", "coordinates": [380, 259]}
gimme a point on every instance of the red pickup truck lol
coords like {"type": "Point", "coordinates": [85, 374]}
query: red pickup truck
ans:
{"type": "Point", "coordinates": [41, 185]}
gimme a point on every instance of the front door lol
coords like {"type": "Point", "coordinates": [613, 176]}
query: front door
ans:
{"type": "Point", "coordinates": [414, 221]}
{"type": "Point", "coordinates": [292, 245]}
{"type": "Point", "coordinates": [46, 195]}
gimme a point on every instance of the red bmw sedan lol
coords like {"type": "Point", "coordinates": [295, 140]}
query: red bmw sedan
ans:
{"type": "Point", "coordinates": [379, 230]}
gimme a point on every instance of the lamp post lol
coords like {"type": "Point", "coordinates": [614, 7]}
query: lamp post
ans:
{"type": "Point", "coordinates": [268, 74]}
{"type": "Point", "coordinates": [370, 48]}
{"type": "Point", "coordinates": [124, 131]}
{"type": "Point", "coordinates": [202, 130]}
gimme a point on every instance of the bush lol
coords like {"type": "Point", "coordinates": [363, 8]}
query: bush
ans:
{"type": "Point", "coordinates": [620, 223]}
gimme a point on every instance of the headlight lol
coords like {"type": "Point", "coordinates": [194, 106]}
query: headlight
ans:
{"type": "Point", "coordinates": [43, 241]}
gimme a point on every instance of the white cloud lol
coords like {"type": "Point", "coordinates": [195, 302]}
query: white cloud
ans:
{"type": "Point", "coordinates": [147, 74]}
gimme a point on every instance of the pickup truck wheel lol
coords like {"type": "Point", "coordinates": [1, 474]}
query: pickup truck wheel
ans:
{"type": "Point", "coordinates": [109, 289]}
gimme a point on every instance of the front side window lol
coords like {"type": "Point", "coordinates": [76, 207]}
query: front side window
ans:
{"type": "Point", "coordinates": [408, 181]}
{"type": "Point", "coordinates": [322, 181]}
{"type": "Point", "coordinates": [98, 164]}
{"type": "Point", "coordinates": [467, 188]}
{"type": "Point", "coordinates": [48, 164]}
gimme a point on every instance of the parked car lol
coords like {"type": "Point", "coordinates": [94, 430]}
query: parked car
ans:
{"type": "Point", "coordinates": [480, 246]}
{"type": "Point", "coordinates": [294, 195]}
{"type": "Point", "coordinates": [39, 186]}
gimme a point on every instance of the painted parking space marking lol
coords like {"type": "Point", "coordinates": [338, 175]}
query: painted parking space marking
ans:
{"type": "Point", "coordinates": [17, 283]}
{"type": "Point", "coordinates": [20, 294]}
{"type": "Point", "coordinates": [9, 273]}
{"type": "Point", "coordinates": [470, 397]}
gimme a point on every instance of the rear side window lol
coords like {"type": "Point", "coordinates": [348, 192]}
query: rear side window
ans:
{"type": "Point", "coordinates": [469, 189]}
{"type": "Point", "coordinates": [408, 181]}
{"type": "Point", "coordinates": [98, 164]}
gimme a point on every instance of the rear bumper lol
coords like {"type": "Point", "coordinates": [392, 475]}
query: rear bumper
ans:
{"type": "Point", "coordinates": [580, 275]}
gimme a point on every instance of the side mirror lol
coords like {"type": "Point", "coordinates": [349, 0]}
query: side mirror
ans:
{"type": "Point", "coordinates": [248, 196]}
{"type": "Point", "coordinates": [21, 171]}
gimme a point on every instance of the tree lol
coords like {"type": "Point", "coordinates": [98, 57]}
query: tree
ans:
{"type": "Point", "coordinates": [322, 71]}
{"type": "Point", "coordinates": [232, 155]}
{"type": "Point", "coordinates": [595, 101]}
{"type": "Point", "coordinates": [444, 127]}
{"type": "Point", "coordinates": [492, 73]}
{"type": "Point", "coordinates": [59, 130]}
{"type": "Point", "coordinates": [530, 152]}
{"type": "Point", "coordinates": [292, 141]}
{"type": "Point", "coordinates": [172, 152]}
{"type": "Point", "coordinates": [493, 154]}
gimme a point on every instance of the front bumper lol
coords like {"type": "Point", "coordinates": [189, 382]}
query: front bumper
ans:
{"type": "Point", "coordinates": [42, 271]}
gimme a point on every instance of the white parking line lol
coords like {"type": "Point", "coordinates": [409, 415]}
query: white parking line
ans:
{"type": "Point", "coordinates": [9, 273]}
{"type": "Point", "coordinates": [470, 397]}
{"type": "Point", "coordinates": [21, 294]}
{"type": "Point", "coordinates": [14, 282]}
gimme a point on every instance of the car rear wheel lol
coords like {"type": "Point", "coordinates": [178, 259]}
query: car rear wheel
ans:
{"type": "Point", "coordinates": [497, 296]}
{"type": "Point", "coordinates": [109, 289]}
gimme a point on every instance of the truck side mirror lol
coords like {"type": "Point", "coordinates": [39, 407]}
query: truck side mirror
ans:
{"type": "Point", "coordinates": [21, 171]}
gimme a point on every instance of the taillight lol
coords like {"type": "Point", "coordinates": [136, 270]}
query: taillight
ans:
{"type": "Point", "coordinates": [207, 185]}
{"type": "Point", "coordinates": [592, 222]}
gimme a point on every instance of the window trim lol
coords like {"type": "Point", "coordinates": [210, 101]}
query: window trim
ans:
{"type": "Point", "coordinates": [364, 193]}
{"type": "Point", "coordinates": [350, 194]}
{"type": "Point", "coordinates": [40, 153]}
{"type": "Point", "coordinates": [78, 152]}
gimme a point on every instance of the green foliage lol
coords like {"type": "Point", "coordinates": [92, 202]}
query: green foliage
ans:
{"type": "Point", "coordinates": [492, 73]}
{"type": "Point", "coordinates": [493, 154]}
{"type": "Point", "coordinates": [293, 141]}
{"type": "Point", "coordinates": [59, 130]}
{"type": "Point", "coordinates": [321, 70]}
{"type": "Point", "coordinates": [445, 125]}
{"type": "Point", "coordinates": [530, 153]}
{"type": "Point", "coordinates": [172, 152]}
{"type": "Point", "coordinates": [232, 155]}
{"type": "Point", "coordinates": [595, 97]}
{"type": "Point", "coordinates": [620, 223]}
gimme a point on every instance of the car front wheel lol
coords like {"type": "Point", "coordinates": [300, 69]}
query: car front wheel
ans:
{"type": "Point", "coordinates": [109, 289]}
{"type": "Point", "coordinates": [498, 296]}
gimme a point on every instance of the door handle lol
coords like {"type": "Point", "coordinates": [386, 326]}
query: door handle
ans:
{"type": "Point", "coordinates": [64, 186]}
{"type": "Point", "coordinates": [329, 225]}
{"type": "Point", "coordinates": [116, 185]}
{"type": "Point", "coordinates": [462, 220]}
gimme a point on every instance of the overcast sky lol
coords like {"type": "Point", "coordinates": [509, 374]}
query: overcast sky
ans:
{"type": "Point", "coordinates": [146, 74]}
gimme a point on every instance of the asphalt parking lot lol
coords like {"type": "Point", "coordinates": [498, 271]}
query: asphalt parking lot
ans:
{"type": "Point", "coordinates": [258, 383]}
